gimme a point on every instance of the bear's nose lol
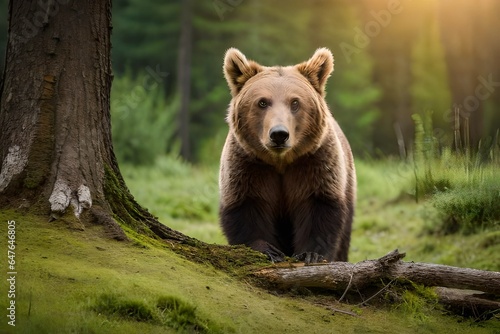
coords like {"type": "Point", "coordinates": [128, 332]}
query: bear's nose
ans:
{"type": "Point", "coordinates": [278, 134]}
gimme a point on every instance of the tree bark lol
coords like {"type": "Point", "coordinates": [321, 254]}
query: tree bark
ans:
{"type": "Point", "coordinates": [56, 152]}
{"type": "Point", "coordinates": [55, 104]}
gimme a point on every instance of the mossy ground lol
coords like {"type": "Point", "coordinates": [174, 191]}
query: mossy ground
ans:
{"type": "Point", "coordinates": [76, 281]}
{"type": "Point", "coordinates": [72, 281]}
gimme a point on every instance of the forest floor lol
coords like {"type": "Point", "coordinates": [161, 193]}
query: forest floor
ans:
{"type": "Point", "coordinates": [387, 216]}
{"type": "Point", "coordinates": [72, 281]}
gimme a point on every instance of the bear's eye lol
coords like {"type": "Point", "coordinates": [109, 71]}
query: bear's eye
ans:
{"type": "Point", "coordinates": [295, 105]}
{"type": "Point", "coordinates": [263, 104]}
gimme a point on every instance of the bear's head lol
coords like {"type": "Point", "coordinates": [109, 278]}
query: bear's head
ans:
{"type": "Point", "coordinates": [278, 113]}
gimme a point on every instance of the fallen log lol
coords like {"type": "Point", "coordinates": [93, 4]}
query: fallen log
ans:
{"type": "Point", "coordinates": [467, 302]}
{"type": "Point", "coordinates": [343, 276]}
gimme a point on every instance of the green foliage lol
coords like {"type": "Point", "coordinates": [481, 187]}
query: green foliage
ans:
{"type": "Point", "coordinates": [143, 122]}
{"type": "Point", "coordinates": [425, 152]}
{"type": "Point", "coordinates": [211, 149]}
{"type": "Point", "coordinates": [354, 100]}
{"type": "Point", "coordinates": [145, 34]}
{"type": "Point", "coordinates": [382, 179]}
{"type": "Point", "coordinates": [470, 208]}
{"type": "Point", "coordinates": [417, 302]}
{"type": "Point", "coordinates": [140, 36]}
{"type": "Point", "coordinates": [465, 188]}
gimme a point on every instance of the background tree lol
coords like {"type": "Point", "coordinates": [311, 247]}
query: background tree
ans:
{"type": "Point", "coordinates": [472, 52]}
{"type": "Point", "coordinates": [184, 77]}
{"type": "Point", "coordinates": [392, 71]}
{"type": "Point", "coordinates": [145, 35]}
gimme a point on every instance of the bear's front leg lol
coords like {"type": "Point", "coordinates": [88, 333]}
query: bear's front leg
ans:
{"type": "Point", "coordinates": [250, 224]}
{"type": "Point", "coordinates": [319, 226]}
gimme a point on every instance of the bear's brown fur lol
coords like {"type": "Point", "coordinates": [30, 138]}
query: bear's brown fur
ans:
{"type": "Point", "coordinates": [287, 179]}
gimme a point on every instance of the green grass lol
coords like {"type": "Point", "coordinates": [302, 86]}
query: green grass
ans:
{"type": "Point", "coordinates": [471, 201]}
{"type": "Point", "coordinates": [73, 281]}
{"type": "Point", "coordinates": [387, 215]}
{"type": "Point", "coordinates": [76, 282]}
{"type": "Point", "coordinates": [466, 195]}
{"type": "Point", "coordinates": [114, 305]}
{"type": "Point", "coordinates": [169, 311]}
{"type": "Point", "coordinates": [462, 185]}
{"type": "Point", "coordinates": [183, 197]}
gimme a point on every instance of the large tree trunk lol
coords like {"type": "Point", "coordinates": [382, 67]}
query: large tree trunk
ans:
{"type": "Point", "coordinates": [56, 152]}
{"type": "Point", "coordinates": [55, 105]}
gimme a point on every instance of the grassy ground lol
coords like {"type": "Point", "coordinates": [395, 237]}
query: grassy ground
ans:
{"type": "Point", "coordinates": [73, 281]}
{"type": "Point", "coordinates": [76, 282]}
{"type": "Point", "coordinates": [387, 216]}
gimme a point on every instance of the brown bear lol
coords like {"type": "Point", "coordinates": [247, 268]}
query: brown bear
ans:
{"type": "Point", "coordinates": [287, 179]}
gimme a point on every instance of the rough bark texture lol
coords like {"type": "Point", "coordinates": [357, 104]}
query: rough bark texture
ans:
{"type": "Point", "coordinates": [56, 153]}
{"type": "Point", "coordinates": [55, 104]}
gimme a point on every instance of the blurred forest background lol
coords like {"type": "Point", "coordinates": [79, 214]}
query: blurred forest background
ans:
{"type": "Point", "coordinates": [392, 59]}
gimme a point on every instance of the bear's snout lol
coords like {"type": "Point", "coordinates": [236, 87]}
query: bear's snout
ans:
{"type": "Point", "coordinates": [278, 135]}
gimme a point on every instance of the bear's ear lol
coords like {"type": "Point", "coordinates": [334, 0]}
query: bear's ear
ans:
{"type": "Point", "coordinates": [237, 70]}
{"type": "Point", "coordinates": [318, 69]}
